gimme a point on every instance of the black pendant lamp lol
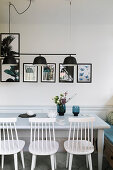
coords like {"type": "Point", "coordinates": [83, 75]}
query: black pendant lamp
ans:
{"type": "Point", "coordinates": [9, 60]}
{"type": "Point", "coordinates": [40, 61]}
{"type": "Point", "coordinates": [70, 61]}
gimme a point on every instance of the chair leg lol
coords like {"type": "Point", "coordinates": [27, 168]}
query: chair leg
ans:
{"type": "Point", "coordinates": [2, 161]}
{"type": "Point", "coordinates": [87, 161]}
{"type": "Point", "coordinates": [67, 160]}
{"type": "Point", "coordinates": [15, 161]}
{"type": "Point", "coordinates": [55, 161]}
{"type": "Point", "coordinates": [33, 162]}
{"type": "Point", "coordinates": [90, 161]}
{"type": "Point", "coordinates": [70, 161]}
{"type": "Point", "coordinates": [52, 162]}
{"type": "Point", "coordinates": [22, 158]}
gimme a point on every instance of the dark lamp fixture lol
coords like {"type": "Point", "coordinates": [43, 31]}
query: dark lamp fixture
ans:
{"type": "Point", "coordinates": [40, 61]}
{"type": "Point", "coordinates": [10, 60]}
{"type": "Point", "coordinates": [70, 61]}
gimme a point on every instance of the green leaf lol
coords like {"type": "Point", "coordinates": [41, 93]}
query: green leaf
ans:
{"type": "Point", "coordinates": [12, 68]}
{"type": "Point", "coordinates": [61, 95]}
{"type": "Point", "coordinates": [10, 72]}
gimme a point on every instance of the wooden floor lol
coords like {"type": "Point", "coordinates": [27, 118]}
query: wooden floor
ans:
{"type": "Point", "coordinates": [43, 162]}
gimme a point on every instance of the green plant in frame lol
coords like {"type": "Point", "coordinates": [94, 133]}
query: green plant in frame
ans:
{"type": "Point", "coordinates": [14, 72]}
{"type": "Point", "coordinates": [6, 47]}
{"type": "Point", "coordinates": [10, 44]}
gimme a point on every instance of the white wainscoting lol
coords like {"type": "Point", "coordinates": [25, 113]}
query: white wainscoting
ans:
{"type": "Point", "coordinates": [101, 111]}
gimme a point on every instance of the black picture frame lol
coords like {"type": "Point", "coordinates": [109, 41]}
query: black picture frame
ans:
{"type": "Point", "coordinates": [49, 75]}
{"type": "Point", "coordinates": [13, 48]}
{"type": "Point", "coordinates": [30, 73]}
{"type": "Point", "coordinates": [66, 74]}
{"type": "Point", "coordinates": [84, 73]}
{"type": "Point", "coordinates": [10, 73]}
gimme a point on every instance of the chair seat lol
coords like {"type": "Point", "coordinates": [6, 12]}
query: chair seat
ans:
{"type": "Point", "coordinates": [48, 149]}
{"type": "Point", "coordinates": [87, 147]}
{"type": "Point", "coordinates": [11, 147]}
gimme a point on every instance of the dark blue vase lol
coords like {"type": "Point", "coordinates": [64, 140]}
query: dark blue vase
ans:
{"type": "Point", "coordinates": [61, 109]}
{"type": "Point", "coordinates": [75, 110]}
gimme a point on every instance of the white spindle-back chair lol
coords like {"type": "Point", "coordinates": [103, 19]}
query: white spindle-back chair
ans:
{"type": "Point", "coordinates": [9, 142]}
{"type": "Point", "coordinates": [42, 140]}
{"type": "Point", "coordinates": [80, 139]}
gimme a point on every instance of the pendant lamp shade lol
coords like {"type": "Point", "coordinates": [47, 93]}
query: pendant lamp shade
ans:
{"type": "Point", "coordinates": [40, 61]}
{"type": "Point", "coordinates": [70, 61]}
{"type": "Point", "coordinates": [10, 60]}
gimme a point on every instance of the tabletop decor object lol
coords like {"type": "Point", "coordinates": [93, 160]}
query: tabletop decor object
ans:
{"type": "Point", "coordinates": [75, 110]}
{"type": "Point", "coordinates": [25, 115]}
{"type": "Point", "coordinates": [61, 101]}
{"type": "Point", "coordinates": [52, 114]}
{"type": "Point", "coordinates": [61, 109]}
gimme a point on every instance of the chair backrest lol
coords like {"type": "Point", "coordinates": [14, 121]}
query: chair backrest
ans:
{"type": "Point", "coordinates": [81, 129]}
{"type": "Point", "coordinates": [8, 134]}
{"type": "Point", "coordinates": [42, 132]}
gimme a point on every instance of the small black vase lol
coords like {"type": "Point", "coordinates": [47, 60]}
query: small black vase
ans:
{"type": "Point", "coordinates": [61, 109]}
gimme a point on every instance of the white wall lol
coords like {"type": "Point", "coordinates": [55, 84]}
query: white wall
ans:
{"type": "Point", "coordinates": [44, 28]}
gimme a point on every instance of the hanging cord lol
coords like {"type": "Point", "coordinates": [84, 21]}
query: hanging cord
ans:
{"type": "Point", "coordinates": [70, 2]}
{"type": "Point", "coordinates": [10, 4]}
{"type": "Point", "coordinates": [9, 17]}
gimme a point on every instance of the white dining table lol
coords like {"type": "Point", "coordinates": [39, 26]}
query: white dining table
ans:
{"type": "Point", "coordinates": [63, 124]}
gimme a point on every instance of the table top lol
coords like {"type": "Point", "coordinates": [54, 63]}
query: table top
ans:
{"type": "Point", "coordinates": [61, 121]}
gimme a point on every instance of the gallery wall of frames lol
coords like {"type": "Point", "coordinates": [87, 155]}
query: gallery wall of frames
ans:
{"type": "Point", "coordinates": [10, 44]}
{"type": "Point", "coordinates": [66, 73]}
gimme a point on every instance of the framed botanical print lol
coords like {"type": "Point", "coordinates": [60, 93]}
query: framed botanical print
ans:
{"type": "Point", "coordinates": [48, 73]}
{"type": "Point", "coordinates": [66, 74]}
{"type": "Point", "coordinates": [10, 44]}
{"type": "Point", "coordinates": [30, 72]}
{"type": "Point", "coordinates": [10, 73]}
{"type": "Point", "coordinates": [84, 73]}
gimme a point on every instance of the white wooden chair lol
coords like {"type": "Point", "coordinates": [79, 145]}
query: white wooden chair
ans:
{"type": "Point", "coordinates": [83, 128]}
{"type": "Point", "coordinates": [42, 140]}
{"type": "Point", "coordinates": [9, 142]}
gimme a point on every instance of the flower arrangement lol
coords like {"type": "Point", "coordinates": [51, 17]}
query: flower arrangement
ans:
{"type": "Point", "coordinates": [62, 99]}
